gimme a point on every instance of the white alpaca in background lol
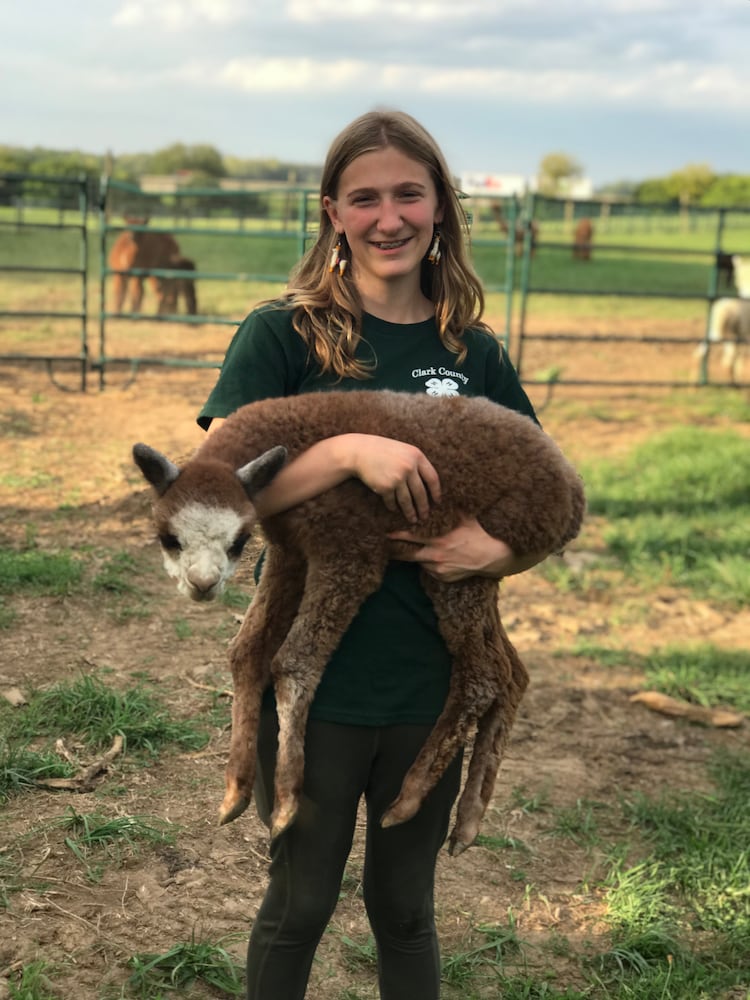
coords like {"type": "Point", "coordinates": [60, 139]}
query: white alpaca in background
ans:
{"type": "Point", "coordinates": [729, 322]}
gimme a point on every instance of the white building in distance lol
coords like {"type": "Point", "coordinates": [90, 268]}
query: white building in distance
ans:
{"type": "Point", "coordinates": [479, 184]}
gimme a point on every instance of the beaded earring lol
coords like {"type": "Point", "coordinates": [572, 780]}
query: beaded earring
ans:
{"type": "Point", "coordinates": [434, 255]}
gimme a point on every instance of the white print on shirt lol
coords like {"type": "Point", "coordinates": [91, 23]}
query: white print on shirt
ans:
{"type": "Point", "coordinates": [441, 387]}
{"type": "Point", "coordinates": [445, 386]}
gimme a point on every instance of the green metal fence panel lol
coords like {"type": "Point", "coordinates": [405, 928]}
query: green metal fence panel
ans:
{"type": "Point", "coordinates": [37, 215]}
{"type": "Point", "coordinates": [521, 250]}
{"type": "Point", "coordinates": [650, 253]}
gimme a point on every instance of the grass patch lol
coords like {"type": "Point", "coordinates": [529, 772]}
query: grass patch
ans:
{"type": "Point", "coordinates": [681, 915]}
{"type": "Point", "coordinates": [65, 573]}
{"type": "Point", "coordinates": [699, 843]}
{"type": "Point", "coordinates": [183, 965]}
{"type": "Point", "coordinates": [36, 572]}
{"type": "Point", "coordinates": [359, 956]}
{"type": "Point", "coordinates": [678, 511]}
{"type": "Point", "coordinates": [494, 843]}
{"type": "Point", "coordinates": [94, 834]}
{"type": "Point", "coordinates": [96, 713]}
{"type": "Point", "coordinates": [702, 674]}
{"type": "Point", "coordinates": [21, 768]}
{"type": "Point", "coordinates": [676, 886]}
{"type": "Point", "coordinates": [93, 713]}
{"type": "Point", "coordinates": [578, 822]}
{"type": "Point", "coordinates": [32, 982]}
{"type": "Point", "coordinates": [486, 958]}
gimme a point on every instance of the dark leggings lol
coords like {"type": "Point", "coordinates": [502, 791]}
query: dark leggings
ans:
{"type": "Point", "coordinates": [342, 763]}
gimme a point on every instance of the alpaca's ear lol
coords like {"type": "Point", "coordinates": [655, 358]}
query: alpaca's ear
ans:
{"type": "Point", "coordinates": [259, 473]}
{"type": "Point", "coordinates": [157, 469]}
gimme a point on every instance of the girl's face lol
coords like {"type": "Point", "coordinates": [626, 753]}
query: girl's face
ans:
{"type": "Point", "coordinates": [387, 207]}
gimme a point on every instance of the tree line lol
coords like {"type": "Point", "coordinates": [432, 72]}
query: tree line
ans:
{"type": "Point", "coordinates": [204, 166]}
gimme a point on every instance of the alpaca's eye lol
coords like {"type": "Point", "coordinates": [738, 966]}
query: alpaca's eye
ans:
{"type": "Point", "coordinates": [235, 549]}
{"type": "Point", "coordinates": [170, 542]}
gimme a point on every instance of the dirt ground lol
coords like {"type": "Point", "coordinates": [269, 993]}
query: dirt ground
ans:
{"type": "Point", "coordinates": [68, 480]}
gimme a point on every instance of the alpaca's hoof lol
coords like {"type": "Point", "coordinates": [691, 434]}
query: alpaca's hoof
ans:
{"type": "Point", "coordinates": [456, 847]}
{"type": "Point", "coordinates": [399, 812]}
{"type": "Point", "coordinates": [461, 839]}
{"type": "Point", "coordinates": [282, 818]}
{"type": "Point", "coordinates": [234, 805]}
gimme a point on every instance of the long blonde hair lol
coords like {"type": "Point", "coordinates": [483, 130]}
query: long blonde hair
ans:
{"type": "Point", "coordinates": [328, 312]}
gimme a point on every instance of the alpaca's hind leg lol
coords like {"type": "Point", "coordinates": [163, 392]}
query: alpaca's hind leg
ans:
{"type": "Point", "coordinates": [730, 359]}
{"type": "Point", "coordinates": [701, 357]}
{"type": "Point", "coordinates": [333, 595]}
{"type": "Point", "coordinates": [493, 733]}
{"type": "Point", "coordinates": [262, 632]}
{"type": "Point", "coordinates": [467, 615]}
{"type": "Point", "coordinates": [136, 293]}
{"type": "Point", "coordinates": [187, 290]}
{"type": "Point", "coordinates": [119, 287]}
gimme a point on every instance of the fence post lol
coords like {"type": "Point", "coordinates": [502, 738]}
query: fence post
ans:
{"type": "Point", "coordinates": [528, 248]}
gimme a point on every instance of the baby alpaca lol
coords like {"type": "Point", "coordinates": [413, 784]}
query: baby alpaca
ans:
{"type": "Point", "coordinates": [142, 249]}
{"type": "Point", "coordinates": [325, 556]}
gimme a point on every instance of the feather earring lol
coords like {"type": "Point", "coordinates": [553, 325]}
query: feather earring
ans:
{"type": "Point", "coordinates": [337, 261]}
{"type": "Point", "coordinates": [435, 254]}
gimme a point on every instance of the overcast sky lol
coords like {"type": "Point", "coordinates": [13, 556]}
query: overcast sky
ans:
{"type": "Point", "coordinates": [629, 88]}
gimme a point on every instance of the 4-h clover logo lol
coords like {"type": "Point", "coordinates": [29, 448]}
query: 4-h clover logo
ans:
{"type": "Point", "coordinates": [441, 387]}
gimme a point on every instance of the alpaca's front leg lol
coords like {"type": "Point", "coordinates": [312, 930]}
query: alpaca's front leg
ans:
{"type": "Point", "coordinates": [262, 631]}
{"type": "Point", "coordinates": [333, 595]}
{"type": "Point", "coordinates": [250, 675]}
{"type": "Point", "coordinates": [119, 284]}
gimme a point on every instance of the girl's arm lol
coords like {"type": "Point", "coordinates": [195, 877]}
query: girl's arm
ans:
{"type": "Point", "coordinates": [398, 472]}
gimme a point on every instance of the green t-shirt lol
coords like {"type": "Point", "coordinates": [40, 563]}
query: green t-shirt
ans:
{"type": "Point", "coordinates": [392, 665]}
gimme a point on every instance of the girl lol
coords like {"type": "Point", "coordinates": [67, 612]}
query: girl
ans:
{"type": "Point", "coordinates": [386, 298]}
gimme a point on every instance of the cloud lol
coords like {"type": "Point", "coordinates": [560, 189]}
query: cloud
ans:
{"type": "Point", "coordinates": [612, 80]}
{"type": "Point", "coordinates": [302, 75]}
{"type": "Point", "coordinates": [675, 84]}
{"type": "Point", "coordinates": [175, 15]}
{"type": "Point", "coordinates": [421, 11]}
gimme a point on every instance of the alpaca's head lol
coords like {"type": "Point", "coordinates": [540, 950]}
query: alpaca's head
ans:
{"type": "Point", "coordinates": [204, 515]}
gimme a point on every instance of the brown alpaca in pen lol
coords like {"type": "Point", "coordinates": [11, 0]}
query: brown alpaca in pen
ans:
{"type": "Point", "coordinates": [146, 250]}
{"type": "Point", "coordinates": [327, 555]}
{"type": "Point", "coordinates": [583, 239]}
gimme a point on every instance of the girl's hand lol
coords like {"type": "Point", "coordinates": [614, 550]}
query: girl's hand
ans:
{"type": "Point", "coordinates": [398, 472]}
{"type": "Point", "coordinates": [465, 551]}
